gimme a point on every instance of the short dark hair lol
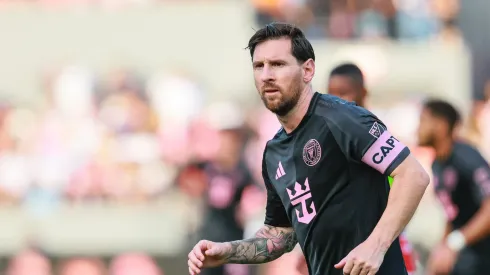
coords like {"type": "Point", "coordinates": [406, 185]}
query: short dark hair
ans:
{"type": "Point", "coordinates": [444, 110]}
{"type": "Point", "coordinates": [351, 71]}
{"type": "Point", "coordinates": [300, 46]}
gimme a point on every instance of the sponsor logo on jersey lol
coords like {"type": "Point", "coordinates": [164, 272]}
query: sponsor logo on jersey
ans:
{"type": "Point", "coordinates": [450, 178]}
{"type": "Point", "coordinates": [302, 196]}
{"type": "Point", "coordinates": [312, 152]}
{"type": "Point", "coordinates": [450, 208]}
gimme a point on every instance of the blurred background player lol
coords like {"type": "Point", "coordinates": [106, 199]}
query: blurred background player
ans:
{"type": "Point", "coordinates": [462, 184]}
{"type": "Point", "coordinates": [347, 82]}
{"type": "Point", "coordinates": [227, 180]}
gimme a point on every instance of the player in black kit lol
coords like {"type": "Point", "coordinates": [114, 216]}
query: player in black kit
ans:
{"type": "Point", "coordinates": [462, 184]}
{"type": "Point", "coordinates": [347, 82]}
{"type": "Point", "coordinates": [325, 172]}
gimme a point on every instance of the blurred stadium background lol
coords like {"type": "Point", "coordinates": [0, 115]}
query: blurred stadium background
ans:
{"type": "Point", "coordinates": [108, 107]}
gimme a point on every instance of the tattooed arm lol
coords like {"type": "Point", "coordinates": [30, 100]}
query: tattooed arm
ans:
{"type": "Point", "coordinates": [269, 244]}
{"type": "Point", "coordinates": [274, 239]}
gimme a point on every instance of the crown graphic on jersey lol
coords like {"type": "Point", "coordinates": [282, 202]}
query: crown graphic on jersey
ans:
{"type": "Point", "coordinates": [298, 190]}
{"type": "Point", "coordinates": [280, 171]}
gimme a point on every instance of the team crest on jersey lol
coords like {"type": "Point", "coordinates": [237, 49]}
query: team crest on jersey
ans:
{"type": "Point", "coordinates": [312, 152]}
{"type": "Point", "coordinates": [376, 130]}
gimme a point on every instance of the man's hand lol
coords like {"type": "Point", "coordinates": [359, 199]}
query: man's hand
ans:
{"type": "Point", "coordinates": [442, 260]}
{"type": "Point", "coordinates": [207, 254]}
{"type": "Point", "coordinates": [365, 259]}
{"type": "Point", "coordinates": [269, 244]}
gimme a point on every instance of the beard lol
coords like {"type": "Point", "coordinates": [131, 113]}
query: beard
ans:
{"type": "Point", "coordinates": [282, 102]}
{"type": "Point", "coordinates": [281, 105]}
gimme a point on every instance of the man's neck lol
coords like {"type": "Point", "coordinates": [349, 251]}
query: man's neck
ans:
{"type": "Point", "coordinates": [292, 119]}
{"type": "Point", "coordinates": [443, 148]}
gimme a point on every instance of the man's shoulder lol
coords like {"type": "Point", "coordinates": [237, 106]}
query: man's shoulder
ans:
{"type": "Point", "coordinates": [462, 154]}
{"type": "Point", "coordinates": [279, 135]}
{"type": "Point", "coordinates": [334, 108]}
{"type": "Point", "coordinates": [347, 116]}
{"type": "Point", "coordinates": [464, 149]}
{"type": "Point", "coordinates": [466, 156]}
{"type": "Point", "coordinates": [276, 138]}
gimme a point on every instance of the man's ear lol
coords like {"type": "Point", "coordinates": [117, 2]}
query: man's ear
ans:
{"type": "Point", "coordinates": [308, 70]}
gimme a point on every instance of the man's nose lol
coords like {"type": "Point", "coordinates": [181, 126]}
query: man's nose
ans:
{"type": "Point", "coordinates": [267, 74]}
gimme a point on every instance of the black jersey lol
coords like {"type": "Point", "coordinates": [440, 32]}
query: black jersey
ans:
{"type": "Point", "coordinates": [223, 197]}
{"type": "Point", "coordinates": [328, 180]}
{"type": "Point", "coordinates": [462, 182]}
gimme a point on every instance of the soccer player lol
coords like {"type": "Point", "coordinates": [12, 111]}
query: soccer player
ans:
{"type": "Point", "coordinates": [462, 184]}
{"type": "Point", "coordinates": [228, 181]}
{"type": "Point", "coordinates": [325, 172]}
{"type": "Point", "coordinates": [347, 82]}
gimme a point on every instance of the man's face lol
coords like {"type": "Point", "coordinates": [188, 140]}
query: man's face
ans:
{"type": "Point", "coordinates": [427, 128]}
{"type": "Point", "coordinates": [343, 87]}
{"type": "Point", "coordinates": [230, 144]}
{"type": "Point", "coordinates": [278, 76]}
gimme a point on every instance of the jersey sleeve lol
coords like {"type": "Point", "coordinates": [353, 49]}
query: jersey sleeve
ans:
{"type": "Point", "coordinates": [477, 171]}
{"type": "Point", "coordinates": [364, 138]}
{"type": "Point", "coordinates": [275, 214]}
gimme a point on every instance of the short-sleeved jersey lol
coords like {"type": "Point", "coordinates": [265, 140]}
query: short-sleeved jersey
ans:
{"type": "Point", "coordinates": [462, 182]}
{"type": "Point", "coordinates": [223, 196]}
{"type": "Point", "coordinates": [328, 180]}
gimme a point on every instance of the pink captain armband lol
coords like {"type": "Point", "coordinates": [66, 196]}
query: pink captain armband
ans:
{"type": "Point", "coordinates": [383, 152]}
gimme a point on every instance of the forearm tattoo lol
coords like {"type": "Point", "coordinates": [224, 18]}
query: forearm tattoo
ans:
{"type": "Point", "coordinates": [269, 244]}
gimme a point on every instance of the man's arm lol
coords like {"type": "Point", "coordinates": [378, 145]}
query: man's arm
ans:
{"type": "Point", "coordinates": [410, 183]}
{"type": "Point", "coordinates": [479, 226]}
{"type": "Point", "coordinates": [269, 244]}
{"type": "Point", "coordinates": [274, 239]}
{"type": "Point", "coordinates": [477, 171]}
{"type": "Point", "coordinates": [364, 138]}
{"type": "Point", "coordinates": [447, 230]}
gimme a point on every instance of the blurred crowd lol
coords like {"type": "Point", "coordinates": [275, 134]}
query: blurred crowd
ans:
{"type": "Point", "coordinates": [34, 262]}
{"type": "Point", "coordinates": [338, 19]}
{"type": "Point", "coordinates": [363, 19]}
{"type": "Point", "coordinates": [117, 138]}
